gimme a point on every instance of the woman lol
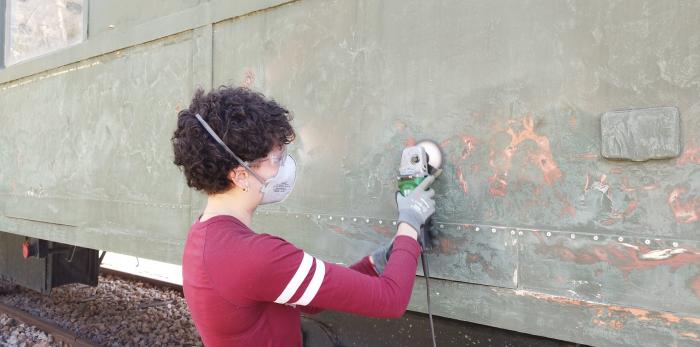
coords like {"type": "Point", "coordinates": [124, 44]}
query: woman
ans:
{"type": "Point", "coordinates": [248, 289]}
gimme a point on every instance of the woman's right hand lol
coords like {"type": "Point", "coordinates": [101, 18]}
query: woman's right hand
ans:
{"type": "Point", "coordinates": [417, 206]}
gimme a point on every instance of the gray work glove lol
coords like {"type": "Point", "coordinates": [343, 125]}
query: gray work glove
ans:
{"type": "Point", "coordinates": [381, 256]}
{"type": "Point", "coordinates": [418, 206]}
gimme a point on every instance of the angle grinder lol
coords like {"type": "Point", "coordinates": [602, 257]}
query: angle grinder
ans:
{"type": "Point", "coordinates": [417, 163]}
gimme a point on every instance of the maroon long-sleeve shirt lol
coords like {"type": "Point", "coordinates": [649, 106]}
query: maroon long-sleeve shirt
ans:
{"type": "Point", "coordinates": [248, 289]}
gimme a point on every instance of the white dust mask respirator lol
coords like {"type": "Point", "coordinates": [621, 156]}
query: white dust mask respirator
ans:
{"type": "Point", "coordinates": [274, 189]}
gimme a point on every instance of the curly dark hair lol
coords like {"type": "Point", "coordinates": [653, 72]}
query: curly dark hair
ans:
{"type": "Point", "coordinates": [249, 124]}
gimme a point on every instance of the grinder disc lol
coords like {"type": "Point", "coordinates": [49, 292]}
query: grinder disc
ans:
{"type": "Point", "coordinates": [434, 153]}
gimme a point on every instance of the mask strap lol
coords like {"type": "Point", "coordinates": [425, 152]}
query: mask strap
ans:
{"type": "Point", "coordinates": [218, 140]}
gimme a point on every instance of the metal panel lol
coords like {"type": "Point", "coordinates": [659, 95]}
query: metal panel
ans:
{"type": "Point", "coordinates": [644, 273]}
{"type": "Point", "coordinates": [3, 9]}
{"type": "Point", "coordinates": [513, 92]}
{"type": "Point", "coordinates": [641, 134]}
{"type": "Point", "coordinates": [107, 15]}
{"type": "Point", "coordinates": [30, 273]}
{"type": "Point", "coordinates": [88, 145]}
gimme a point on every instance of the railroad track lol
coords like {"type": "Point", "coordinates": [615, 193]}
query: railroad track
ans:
{"type": "Point", "coordinates": [120, 311]}
{"type": "Point", "coordinates": [59, 334]}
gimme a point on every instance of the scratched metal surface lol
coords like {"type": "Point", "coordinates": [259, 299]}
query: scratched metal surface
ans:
{"type": "Point", "coordinates": [513, 91]}
{"type": "Point", "coordinates": [85, 149]}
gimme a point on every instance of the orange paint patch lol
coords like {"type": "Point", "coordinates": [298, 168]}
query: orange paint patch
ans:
{"type": "Point", "coordinates": [541, 157]}
{"type": "Point", "coordinates": [543, 154]}
{"type": "Point", "coordinates": [587, 156]}
{"type": "Point", "coordinates": [695, 285]}
{"type": "Point", "coordinates": [627, 259]}
{"type": "Point", "coordinates": [691, 155]}
{"type": "Point", "coordinates": [497, 186]}
{"type": "Point", "coordinates": [339, 230]}
{"type": "Point", "coordinates": [462, 182]}
{"type": "Point", "coordinates": [383, 230]}
{"type": "Point", "coordinates": [469, 145]}
{"type": "Point", "coordinates": [670, 317]}
{"type": "Point", "coordinates": [687, 211]}
{"type": "Point", "coordinates": [613, 324]}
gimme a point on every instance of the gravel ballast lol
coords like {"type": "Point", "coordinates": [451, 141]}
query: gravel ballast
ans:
{"type": "Point", "coordinates": [115, 313]}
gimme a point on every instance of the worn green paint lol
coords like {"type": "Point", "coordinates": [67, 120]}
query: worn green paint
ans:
{"type": "Point", "coordinates": [513, 92]}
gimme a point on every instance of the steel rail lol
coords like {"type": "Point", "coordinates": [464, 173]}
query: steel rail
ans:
{"type": "Point", "coordinates": [59, 333]}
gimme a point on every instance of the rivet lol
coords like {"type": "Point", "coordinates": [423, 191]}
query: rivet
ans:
{"type": "Point", "coordinates": [573, 236]}
{"type": "Point", "coordinates": [297, 216]}
{"type": "Point", "coordinates": [620, 239]}
{"type": "Point", "coordinates": [520, 233]}
{"type": "Point", "coordinates": [675, 244]}
{"type": "Point", "coordinates": [512, 232]}
{"type": "Point", "coordinates": [442, 226]}
{"type": "Point", "coordinates": [330, 217]}
{"type": "Point", "coordinates": [549, 234]}
{"type": "Point", "coordinates": [380, 221]}
{"type": "Point", "coordinates": [493, 230]}
{"type": "Point", "coordinates": [319, 216]}
{"type": "Point", "coordinates": [367, 220]}
{"type": "Point", "coordinates": [477, 229]}
{"type": "Point", "coordinates": [595, 237]}
{"type": "Point", "coordinates": [646, 242]}
{"type": "Point", "coordinates": [354, 219]}
{"type": "Point", "coordinates": [342, 218]}
{"type": "Point", "coordinates": [459, 227]}
{"type": "Point", "coordinates": [394, 222]}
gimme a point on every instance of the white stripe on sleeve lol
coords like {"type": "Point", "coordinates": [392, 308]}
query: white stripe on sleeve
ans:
{"type": "Point", "coordinates": [314, 285]}
{"type": "Point", "coordinates": [296, 280]}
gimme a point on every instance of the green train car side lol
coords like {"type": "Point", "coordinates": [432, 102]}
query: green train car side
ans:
{"type": "Point", "coordinates": [569, 206]}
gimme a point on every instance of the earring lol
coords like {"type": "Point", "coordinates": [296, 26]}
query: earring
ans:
{"type": "Point", "coordinates": [245, 189]}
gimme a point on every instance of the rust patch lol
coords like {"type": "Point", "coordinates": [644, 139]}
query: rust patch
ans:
{"type": "Point", "coordinates": [498, 186]}
{"type": "Point", "coordinates": [541, 157]}
{"type": "Point", "coordinates": [461, 181]}
{"type": "Point", "coordinates": [612, 315]}
{"type": "Point", "coordinates": [411, 141]}
{"type": "Point", "coordinates": [691, 335]}
{"type": "Point", "coordinates": [685, 211]}
{"type": "Point", "coordinates": [613, 324]}
{"type": "Point", "coordinates": [695, 285]}
{"type": "Point", "coordinates": [469, 145]}
{"type": "Point", "coordinates": [383, 230]}
{"type": "Point", "coordinates": [691, 155]}
{"type": "Point", "coordinates": [587, 156]}
{"type": "Point", "coordinates": [626, 258]}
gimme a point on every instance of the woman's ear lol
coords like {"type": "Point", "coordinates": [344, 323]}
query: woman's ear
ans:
{"type": "Point", "coordinates": [239, 177]}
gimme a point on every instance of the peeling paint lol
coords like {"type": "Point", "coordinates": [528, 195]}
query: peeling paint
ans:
{"type": "Point", "coordinates": [628, 258]}
{"type": "Point", "coordinates": [661, 254]}
{"type": "Point", "coordinates": [687, 211]}
{"type": "Point", "coordinates": [501, 160]}
{"type": "Point", "coordinates": [691, 155]}
{"type": "Point", "coordinates": [608, 311]}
